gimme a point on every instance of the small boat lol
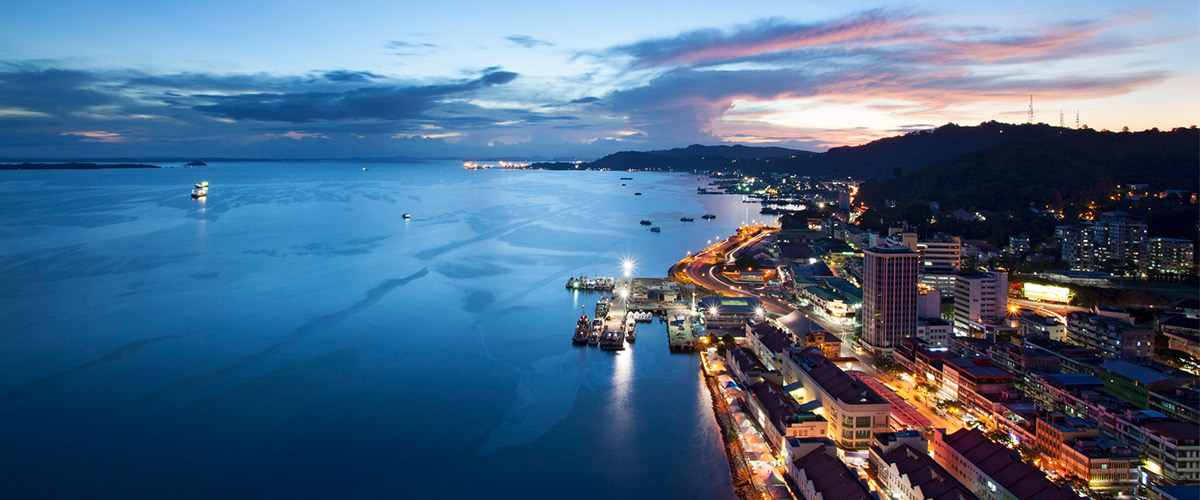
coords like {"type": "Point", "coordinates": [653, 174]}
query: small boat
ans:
{"type": "Point", "coordinates": [613, 341]}
{"type": "Point", "coordinates": [407, 216]}
{"type": "Point", "coordinates": [622, 184]}
{"type": "Point", "coordinates": [627, 178]}
{"type": "Point", "coordinates": [365, 169]}
{"type": "Point", "coordinates": [582, 328]}
{"type": "Point", "coordinates": [709, 216]}
{"type": "Point", "coordinates": [656, 229]}
{"type": "Point", "coordinates": [201, 190]}
{"type": "Point", "coordinates": [637, 194]}
{"type": "Point", "coordinates": [686, 219]}
{"type": "Point", "coordinates": [645, 223]}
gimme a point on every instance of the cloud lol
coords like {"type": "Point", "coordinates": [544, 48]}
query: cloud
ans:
{"type": "Point", "coordinates": [528, 41]}
{"type": "Point", "coordinates": [373, 102]}
{"type": "Point", "coordinates": [350, 76]}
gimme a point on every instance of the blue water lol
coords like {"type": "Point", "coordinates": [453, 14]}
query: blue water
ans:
{"type": "Point", "coordinates": [293, 335]}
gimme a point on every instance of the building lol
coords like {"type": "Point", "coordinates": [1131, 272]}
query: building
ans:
{"type": "Point", "coordinates": [1113, 336]}
{"type": "Point", "coordinates": [1055, 430]}
{"type": "Point", "coordinates": [1172, 451]}
{"type": "Point", "coordinates": [935, 331]}
{"type": "Point", "coordinates": [1019, 243]}
{"type": "Point", "coordinates": [979, 297]}
{"type": "Point", "coordinates": [976, 383]}
{"type": "Point", "coordinates": [768, 342]}
{"type": "Point", "coordinates": [1105, 464]}
{"type": "Point", "coordinates": [940, 258]}
{"type": "Point", "coordinates": [854, 411]}
{"type": "Point", "coordinates": [991, 471]}
{"type": "Point", "coordinates": [829, 344]}
{"type": "Point", "coordinates": [780, 416]}
{"type": "Point", "coordinates": [1171, 256]}
{"type": "Point", "coordinates": [1134, 383]}
{"type": "Point", "coordinates": [900, 465]}
{"type": "Point", "coordinates": [889, 311]}
{"type": "Point", "coordinates": [730, 313]}
{"type": "Point", "coordinates": [819, 475]}
{"type": "Point", "coordinates": [1033, 323]}
{"type": "Point", "coordinates": [1078, 245]}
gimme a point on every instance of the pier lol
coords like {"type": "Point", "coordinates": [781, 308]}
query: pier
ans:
{"type": "Point", "coordinates": [647, 299]}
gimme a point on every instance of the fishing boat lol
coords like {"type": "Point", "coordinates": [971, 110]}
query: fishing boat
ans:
{"type": "Point", "coordinates": [582, 328]}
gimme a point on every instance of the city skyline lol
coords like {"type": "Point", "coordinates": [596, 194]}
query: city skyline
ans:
{"type": "Point", "coordinates": [232, 80]}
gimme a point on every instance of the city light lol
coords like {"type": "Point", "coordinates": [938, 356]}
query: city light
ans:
{"type": "Point", "coordinates": [627, 266]}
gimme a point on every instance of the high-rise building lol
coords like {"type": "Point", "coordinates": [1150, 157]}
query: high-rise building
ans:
{"type": "Point", "coordinates": [889, 296]}
{"type": "Point", "coordinates": [979, 298]}
{"type": "Point", "coordinates": [1124, 239]}
{"type": "Point", "coordinates": [1171, 256]}
{"type": "Point", "coordinates": [940, 258]}
{"type": "Point", "coordinates": [1078, 245]}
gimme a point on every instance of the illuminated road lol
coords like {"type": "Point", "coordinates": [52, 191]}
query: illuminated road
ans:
{"type": "Point", "coordinates": [701, 270]}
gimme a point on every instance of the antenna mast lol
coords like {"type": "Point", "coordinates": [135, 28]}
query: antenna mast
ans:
{"type": "Point", "coordinates": [1060, 119]}
{"type": "Point", "coordinates": [1077, 119]}
{"type": "Point", "coordinates": [1030, 120]}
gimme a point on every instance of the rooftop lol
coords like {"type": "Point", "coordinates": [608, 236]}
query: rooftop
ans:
{"type": "Point", "coordinates": [1176, 429]}
{"type": "Point", "coordinates": [1024, 481]}
{"type": "Point", "coordinates": [1142, 375]}
{"type": "Point", "coordinates": [837, 383]}
{"type": "Point", "coordinates": [830, 477]}
{"type": "Point", "coordinates": [774, 339]}
{"type": "Point", "coordinates": [1073, 380]}
{"type": "Point", "coordinates": [923, 472]}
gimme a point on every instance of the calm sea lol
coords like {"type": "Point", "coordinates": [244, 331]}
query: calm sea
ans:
{"type": "Point", "coordinates": [293, 335]}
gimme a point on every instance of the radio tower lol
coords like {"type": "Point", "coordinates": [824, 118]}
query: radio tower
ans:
{"type": "Point", "coordinates": [1060, 119]}
{"type": "Point", "coordinates": [1077, 119]}
{"type": "Point", "coordinates": [1030, 120]}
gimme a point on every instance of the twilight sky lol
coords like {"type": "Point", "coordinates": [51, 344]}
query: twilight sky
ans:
{"type": "Point", "coordinates": [551, 78]}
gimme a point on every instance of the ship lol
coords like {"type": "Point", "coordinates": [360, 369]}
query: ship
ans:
{"type": "Point", "coordinates": [627, 178]}
{"type": "Point", "coordinates": [201, 190]}
{"type": "Point", "coordinates": [582, 328]}
{"type": "Point", "coordinates": [613, 341]}
{"type": "Point", "coordinates": [709, 216]}
{"type": "Point", "coordinates": [686, 219]}
{"type": "Point", "coordinates": [407, 216]}
{"type": "Point", "coordinates": [656, 229]}
{"type": "Point", "coordinates": [637, 194]}
{"type": "Point", "coordinates": [645, 223]}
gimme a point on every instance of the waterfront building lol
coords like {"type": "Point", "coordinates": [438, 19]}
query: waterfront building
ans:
{"type": "Point", "coordinates": [768, 342]}
{"type": "Point", "coordinates": [889, 297]}
{"type": "Point", "coordinates": [729, 314]}
{"type": "Point", "coordinates": [829, 344]}
{"type": "Point", "coordinates": [992, 471]}
{"type": "Point", "coordinates": [744, 364]}
{"type": "Point", "coordinates": [1113, 336]}
{"type": "Point", "coordinates": [780, 416]}
{"type": "Point", "coordinates": [900, 465]}
{"type": "Point", "coordinates": [979, 297]}
{"type": "Point", "coordinates": [854, 411]}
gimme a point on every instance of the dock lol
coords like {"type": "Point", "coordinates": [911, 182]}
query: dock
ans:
{"type": "Point", "coordinates": [644, 300]}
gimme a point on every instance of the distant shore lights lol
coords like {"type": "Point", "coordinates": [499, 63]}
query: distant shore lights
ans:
{"type": "Point", "coordinates": [470, 165]}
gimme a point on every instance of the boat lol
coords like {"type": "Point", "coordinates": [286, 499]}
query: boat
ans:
{"type": "Point", "coordinates": [201, 190]}
{"type": "Point", "coordinates": [365, 169]}
{"type": "Point", "coordinates": [407, 216]}
{"type": "Point", "coordinates": [645, 223]}
{"type": "Point", "coordinates": [709, 216]}
{"type": "Point", "coordinates": [613, 341]}
{"type": "Point", "coordinates": [637, 194]}
{"type": "Point", "coordinates": [594, 338]}
{"type": "Point", "coordinates": [686, 219]}
{"type": "Point", "coordinates": [631, 332]}
{"type": "Point", "coordinates": [622, 184]}
{"type": "Point", "coordinates": [582, 328]}
{"type": "Point", "coordinates": [656, 229]}
{"type": "Point", "coordinates": [627, 178]}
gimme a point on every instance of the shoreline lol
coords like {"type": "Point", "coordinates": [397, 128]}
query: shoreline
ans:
{"type": "Point", "coordinates": [740, 474]}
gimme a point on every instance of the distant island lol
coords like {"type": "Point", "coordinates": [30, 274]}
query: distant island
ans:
{"type": "Point", "coordinates": [195, 164]}
{"type": "Point", "coordinates": [71, 166]}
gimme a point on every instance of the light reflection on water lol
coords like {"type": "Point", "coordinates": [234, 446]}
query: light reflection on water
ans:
{"type": "Point", "coordinates": [294, 334]}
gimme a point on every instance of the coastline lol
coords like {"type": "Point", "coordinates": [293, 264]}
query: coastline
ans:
{"type": "Point", "coordinates": [739, 466]}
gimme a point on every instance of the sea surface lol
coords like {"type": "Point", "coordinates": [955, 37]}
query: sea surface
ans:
{"type": "Point", "coordinates": [294, 336]}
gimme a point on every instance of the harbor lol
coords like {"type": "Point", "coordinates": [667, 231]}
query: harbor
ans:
{"type": "Point", "coordinates": [614, 320]}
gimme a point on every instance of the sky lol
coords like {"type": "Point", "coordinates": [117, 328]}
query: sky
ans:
{"type": "Point", "coordinates": [297, 79]}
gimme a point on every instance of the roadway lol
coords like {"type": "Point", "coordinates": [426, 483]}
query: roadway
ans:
{"type": "Point", "coordinates": [701, 270]}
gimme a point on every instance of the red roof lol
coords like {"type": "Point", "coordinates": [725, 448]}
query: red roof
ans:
{"type": "Point", "coordinates": [1024, 481]}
